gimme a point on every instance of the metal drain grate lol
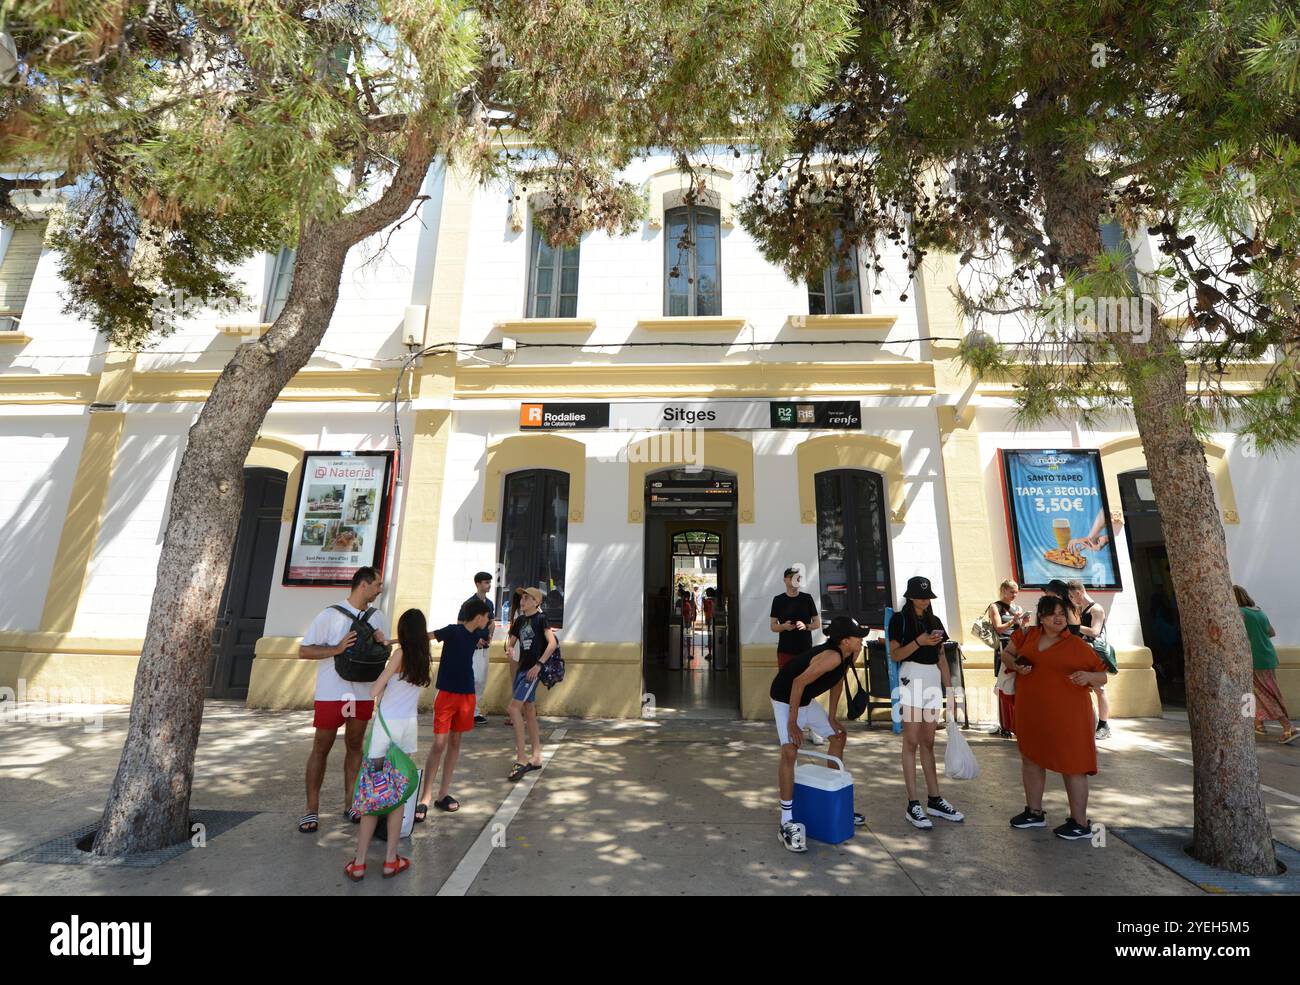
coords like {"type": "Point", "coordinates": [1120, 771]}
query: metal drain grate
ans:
{"type": "Point", "coordinates": [1167, 846]}
{"type": "Point", "coordinates": [63, 850]}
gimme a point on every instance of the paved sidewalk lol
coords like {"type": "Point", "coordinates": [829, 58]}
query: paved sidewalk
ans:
{"type": "Point", "coordinates": [631, 807]}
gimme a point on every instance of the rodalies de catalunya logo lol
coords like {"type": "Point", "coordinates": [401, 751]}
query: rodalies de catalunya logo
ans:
{"type": "Point", "coordinates": [100, 938]}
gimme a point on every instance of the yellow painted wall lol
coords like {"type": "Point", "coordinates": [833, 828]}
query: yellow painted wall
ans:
{"type": "Point", "coordinates": [602, 680]}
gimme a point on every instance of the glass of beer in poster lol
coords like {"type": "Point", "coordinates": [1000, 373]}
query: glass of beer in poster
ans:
{"type": "Point", "coordinates": [1061, 528]}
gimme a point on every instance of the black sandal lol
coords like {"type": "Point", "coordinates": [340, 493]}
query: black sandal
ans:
{"type": "Point", "coordinates": [309, 824]}
{"type": "Point", "coordinates": [518, 772]}
{"type": "Point", "coordinates": [421, 811]}
{"type": "Point", "coordinates": [352, 816]}
{"type": "Point", "coordinates": [448, 803]}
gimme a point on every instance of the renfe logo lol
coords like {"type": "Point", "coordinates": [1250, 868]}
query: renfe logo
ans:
{"type": "Point", "coordinates": [321, 471]}
{"type": "Point", "coordinates": [530, 414]}
{"type": "Point", "coordinates": [101, 939]}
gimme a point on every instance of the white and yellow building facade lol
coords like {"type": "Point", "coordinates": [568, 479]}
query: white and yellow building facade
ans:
{"type": "Point", "coordinates": [90, 441]}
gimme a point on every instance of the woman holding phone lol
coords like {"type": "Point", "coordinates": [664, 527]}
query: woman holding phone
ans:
{"type": "Point", "coordinates": [1054, 724]}
{"type": "Point", "coordinates": [916, 643]}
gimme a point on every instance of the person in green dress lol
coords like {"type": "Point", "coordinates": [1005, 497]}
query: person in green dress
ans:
{"type": "Point", "coordinates": [1269, 704]}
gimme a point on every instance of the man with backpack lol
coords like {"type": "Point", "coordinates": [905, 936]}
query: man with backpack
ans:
{"type": "Point", "coordinates": [350, 635]}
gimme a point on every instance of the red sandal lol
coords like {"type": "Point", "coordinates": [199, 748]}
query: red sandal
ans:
{"type": "Point", "coordinates": [395, 867]}
{"type": "Point", "coordinates": [354, 872]}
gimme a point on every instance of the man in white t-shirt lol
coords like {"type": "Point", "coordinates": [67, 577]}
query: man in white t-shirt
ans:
{"type": "Point", "coordinates": [339, 702]}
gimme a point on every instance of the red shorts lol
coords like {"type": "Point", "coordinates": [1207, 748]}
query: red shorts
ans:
{"type": "Point", "coordinates": [784, 658]}
{"type": "Point", "coordinates": [330, 714]}
{"type": "Point", "coordinates": [452, 712]}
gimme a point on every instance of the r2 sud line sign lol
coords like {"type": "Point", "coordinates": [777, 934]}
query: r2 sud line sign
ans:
{"type": "Point", "coordinates": [1058, 517]}
{"type": "Point", "coordinates": [712, 415]}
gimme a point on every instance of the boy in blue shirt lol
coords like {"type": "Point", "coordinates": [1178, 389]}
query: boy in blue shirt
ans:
{"type": "Point", "coordinates": [453, 709]}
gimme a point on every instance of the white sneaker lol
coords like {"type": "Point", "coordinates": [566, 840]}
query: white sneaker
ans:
{"type": "Point", "coordinates": [794, 836]}
{"type": "Point", "coordinates": [916, 815]}
{"type": "Point", "coordinates": [815, 739]}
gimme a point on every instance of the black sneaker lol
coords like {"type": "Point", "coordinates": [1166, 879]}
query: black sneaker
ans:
{"type": "Point", "coordinates": [1072, 830]}
{"type": "Point", "coordinates": [938, 807]}
{"type": "Point", "coordinates": [916, 815]}
{"type": "Point", "coordinates": [793, 836]}
{"type": "Point", "coordinates": [1030, 819]}
{"type": "Point", "coordinates": [480, 719]}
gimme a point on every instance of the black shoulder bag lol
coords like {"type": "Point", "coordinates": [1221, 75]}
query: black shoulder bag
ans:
{"type": "Point", "coordinates": [364, 660]}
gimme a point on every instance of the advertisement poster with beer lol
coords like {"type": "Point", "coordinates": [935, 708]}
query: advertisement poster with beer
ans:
{"type": "Point", "coordinates": [1058, 517]}
{"type": "Point", "coordinates": [341, 521]}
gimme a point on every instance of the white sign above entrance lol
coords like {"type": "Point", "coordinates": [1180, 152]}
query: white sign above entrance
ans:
{"type": "Point", "coordinates": [714, 415]}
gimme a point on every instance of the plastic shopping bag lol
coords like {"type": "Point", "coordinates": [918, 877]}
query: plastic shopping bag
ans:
{"type": "Point", "coordinates": [958, 760]}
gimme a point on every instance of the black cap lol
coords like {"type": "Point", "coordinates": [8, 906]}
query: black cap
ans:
{"type": "Point", "coordinates": [919, 588]}
{"type": "Point", "coordinates": [1058, 588]}
{"type": "Point", "coordinates": [842, 627]}
{"type": "Point", "coordinates": [789, 572]}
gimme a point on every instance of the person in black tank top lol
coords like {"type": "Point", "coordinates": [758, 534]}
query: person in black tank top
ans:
{"type": "Point", "coordinates": [1092, 621]}
{"type": "Point", "coordinates": [808, 675]}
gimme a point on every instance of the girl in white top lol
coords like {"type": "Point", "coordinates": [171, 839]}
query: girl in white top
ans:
{"type": "Point", "coordinates": [397, 691]}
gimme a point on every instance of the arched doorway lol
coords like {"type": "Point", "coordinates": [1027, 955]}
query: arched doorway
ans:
{"type": "Point", "coordinates": [690, 657]}
{"type": "Point", "coordinates": [242, 615]}
{"type": "Point", "coordinates": [1153, 586]}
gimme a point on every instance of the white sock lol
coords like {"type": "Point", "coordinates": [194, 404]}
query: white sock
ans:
{"type": "Point", "coordinates": [787, 811]}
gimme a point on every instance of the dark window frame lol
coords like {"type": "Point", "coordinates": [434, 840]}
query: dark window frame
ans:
{"type": "Point", "coordinates": [673, 254]}
{"type": "Point", "coordinates": [865, 604]}
{"type": "Point", "coordinates": [533, 538]}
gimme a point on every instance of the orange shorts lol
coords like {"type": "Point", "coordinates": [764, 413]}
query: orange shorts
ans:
{"type": "Point", "coordinates": [453, 712]}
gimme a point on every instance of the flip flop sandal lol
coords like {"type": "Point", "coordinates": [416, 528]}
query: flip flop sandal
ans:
{"type": "Point", "coordinates": [534, 766]}
{"type": "Point", "coordinates": [517, 772]}
{"type": "Point", "coordinates": [858, 820]}
{"type": "Point", "coordinates": [421, 811]}
{"type": "Point", "coordinates": [352, 816]}
{"type": "Point", "coordinates": [396, 867]}
{"type": "Point", "coordinates": [309, 824]}
{"type": "Point", "coordinates": [448, 803]}
{"type": "Point", "coordinates": [354, 872]}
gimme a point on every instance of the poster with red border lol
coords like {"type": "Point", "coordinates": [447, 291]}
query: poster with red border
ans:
{"type": "Point", "coordinates": [340, 522]}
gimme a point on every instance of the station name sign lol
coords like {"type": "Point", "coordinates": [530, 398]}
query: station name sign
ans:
{"type": "Point", "coordinates": [715, 415]}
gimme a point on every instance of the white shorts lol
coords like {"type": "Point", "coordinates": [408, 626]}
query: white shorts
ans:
{"type": "Point", "coordinates": [923, 688]}
{"type": "Point", "coordinates": [811, 716]}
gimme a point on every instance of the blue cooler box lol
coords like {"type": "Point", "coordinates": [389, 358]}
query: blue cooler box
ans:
{"type": "Point", "coordinates": [823, 799]}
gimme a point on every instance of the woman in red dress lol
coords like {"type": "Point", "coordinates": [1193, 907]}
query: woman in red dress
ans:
{"type": "Point", "coordinates": [1054, 723]}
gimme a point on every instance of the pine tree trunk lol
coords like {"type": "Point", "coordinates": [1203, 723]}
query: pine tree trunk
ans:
{"type": "Point", "coordinates": [1231, 829]}
{"type": "Point", "coordinates": [148, 805]}
{"type": "Point", "coordinates": [1231, 825]}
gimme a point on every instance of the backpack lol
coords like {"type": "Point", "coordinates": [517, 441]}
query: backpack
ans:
{"type": "Point", "coordinates": [364, 660]}
{"type": "Point", "coordinates": [552, 671]}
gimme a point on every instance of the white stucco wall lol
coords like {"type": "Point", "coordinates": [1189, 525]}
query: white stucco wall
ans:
{"type": "Point", "coordinates": [38, 464]}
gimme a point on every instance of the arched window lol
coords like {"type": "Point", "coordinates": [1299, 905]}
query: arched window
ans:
{"type": "Point", "coordinates": [535, 536]}
{"type": "Point", "coordinates": [692, 262]}
{"type": "Point", "coordinates": [853, 545]}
